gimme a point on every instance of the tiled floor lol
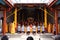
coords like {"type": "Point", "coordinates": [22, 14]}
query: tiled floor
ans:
{"type": "Point", "coordinates": [46, 36]}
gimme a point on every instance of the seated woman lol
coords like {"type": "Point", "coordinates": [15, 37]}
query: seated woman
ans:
{"type": "Point", "coordinates": [22, 29]}
{"type": "Point", "coordinates": [28, 29]}
{"type": "Point", "coordinates": [43, 28]}
{"type": "Point", "coordinates": [34, 28]}
{"type": "Point", "coordinates": [38, 28]}
{"type": "Point", "coordinates": [19, 28]}
{"type": "Point", "coordinates": [54, 29]}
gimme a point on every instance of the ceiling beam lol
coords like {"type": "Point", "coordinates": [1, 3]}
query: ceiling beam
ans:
{"type": "Point", "coordinates": [2, 7]}
{"type": "Point", "coordinates": [53, 3]}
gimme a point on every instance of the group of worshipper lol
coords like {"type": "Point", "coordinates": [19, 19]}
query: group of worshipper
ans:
{"type": "Point", "coordinates": [30, 28]}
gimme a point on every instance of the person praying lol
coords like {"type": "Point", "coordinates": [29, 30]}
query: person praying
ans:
{"type": "Point", "coordinates": [28, 29]}
{"type": "Point", "coordinates": [23, 31]}
{"type": "Point", "coordinates": [34, 28]}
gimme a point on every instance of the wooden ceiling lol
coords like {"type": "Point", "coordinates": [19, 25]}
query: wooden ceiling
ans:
{"type": "Point", "coordinates": [2, 7]}
{"type": "Point", "coordinates": [29, 5]}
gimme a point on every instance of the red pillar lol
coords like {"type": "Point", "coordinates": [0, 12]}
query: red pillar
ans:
{"type": "Point", "coordinates": [56, 21]}
{"type": "Point", "coordinates": [4, 22]}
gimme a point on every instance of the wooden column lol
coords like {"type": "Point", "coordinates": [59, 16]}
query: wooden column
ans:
{"type": "Point", "coordinates": [56, 21]}
{"type": "Point", "coordinates": [4, 22]}
{"type": "Point", "coordinates": [45, 18]}
{"type": "Point", "coordinates": [15, 18]}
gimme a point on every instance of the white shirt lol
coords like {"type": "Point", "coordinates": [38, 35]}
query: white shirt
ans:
{"type": "Point", "coordinates": [28, 28]}
{"type": "Point", "coordinates": [19, 27]}
{"type": "Point", "coordinates": [43, 29]}
{"type": "Point", "coordinates": [34, 28]}
{"type": "Point", "coordinates": [0, 29]}
{"type": "Point", "coordinates": [22, 27]}
{"type": "Point", "coordinates": [38, 27]}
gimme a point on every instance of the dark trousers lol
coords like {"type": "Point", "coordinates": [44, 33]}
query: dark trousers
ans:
{"type": "Point", "coordinates": [55, 32]}
{"type": "Point", "coordinates": [18, 31]}
{"type": "Point", "coordinates": [23, 32]}
{"type": "Point", "coordinates": [34, 32]}
{"type": "Point", "coordinates": [28, 32]}
{"type": "Point", "coordinates": [38, 31]}
{"type": "Point", "coordinates": [43, 31]}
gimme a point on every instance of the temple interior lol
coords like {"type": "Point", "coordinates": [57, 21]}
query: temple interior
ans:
{"type": "Point", "coordinates": [30, 17]}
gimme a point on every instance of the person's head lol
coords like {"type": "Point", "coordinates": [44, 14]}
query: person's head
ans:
{"type": "Point", "coordinates": [4, 37]}
{"type": "Point", "coordinates": [30, 38]}
{"type": "Point", "coordinates": [19, 25]}
{"type": "Point", "coordinates": [40, 24]}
